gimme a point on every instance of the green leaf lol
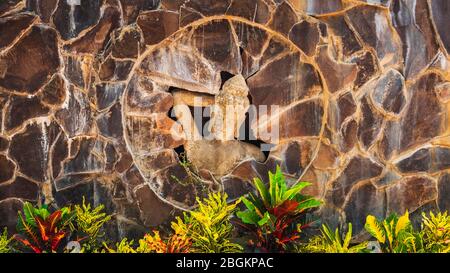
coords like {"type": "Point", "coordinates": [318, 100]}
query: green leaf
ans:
{"type": "Point", "coordinates": [308, 204]}
{"type": "Point", "coordinates": [348, 236]}
{"type": "Point", "coordinates": [265, 196]}
{"type": "Point", "coordinates": [28, 210]}
{"type": "Point", "coordinates": [272, 190]}
{"type": "Point", "coordinates": [293, 191]}
{"type": "Point", "coordinates": [265, 219]}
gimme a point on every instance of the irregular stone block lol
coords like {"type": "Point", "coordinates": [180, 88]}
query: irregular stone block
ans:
{"type": "Point", "coordinates": [220, 157]}
{"type": "Point", "coordinates": [43, 8]}
{"type": "Point", "coordinates": [145, 97]}
{"type": "Point", "coordinates": [258, 11]}
{"type": "Point", "coordinates": [75, 115]}
{"type": "Point", "coordinates": [426, 160]}
{"type": "Point", "coordinates": [338, 76]}
{"type": "Point", "coordinates": [410, 193]}
{"type": "Point", "coordinates": [345, 38]}
{"type": "Point", "coordinates": [188, 16]}
{"type": "Point", "coordinates": [13, 26]}
{"type": "Point", "coordinates": [215, 42]}
{"type": "Point", "coordinates": [444, 192]}
{"type": "Point", "coordinates": [306, 36]}
{"type": "Point", "coordinates": [86, 157]}
{"type": "Point", "coordinates": [7, 168]}
{"type": "Point", "coordinates": [132, 8]}
{"type": "Point", "coordinates": [95, 39]}
{"type": "Point", "coordinates": [363, 201]}
{"type": "Point", "coordinates": [209, 7]}
{"type": "Point", "coordinates": [374, 28]}
{"type": "Point", "coordinates": [153, 211]}
{"type": "Point", "coordinates": [21, 109]}
{"type": "Point", "coordinates": [422, 120]}
{"type": "Point", "coordinates": [412, 22]}
{"type": "Point", "coordinates": [358, 169]}
{"type": "Point", "coordinates": [389, 92]}
{"type": "Point", "coordinates": [340, 109]}
{"type": "Point", "coordinates": [23, 74]}
{"type": "Point", "coordinates": [235, 188]}
{"type": "Point", "coordinates": [107, 94]}
{"type": "Point", "coordinates": [54, 93]}
{"type": "Point", "coordinates": [126, 42]}
{"type": "Point", "coordinates": [440, 11]}
{"type": "Point", "coordinates": [370, 124]}
{"type": "Point", "coordinates": [251, 39]}
{"type": "Point", "coordinates": [8, 210]}
{"type": "Point", "coordinates": [71, 19]}
{"type": "Point", "coordinates": [317, 7]}
{"type": "Point", "coordinates": [293, 80]}
{"type": "Point", "coordinates": [283, 18]}
{"type": "Point", "coordinates": [112, 70]}
{"type": "Point", "coordinates": [30, 149]}
{"type": "Point", "coordinates": [178, 67]}
{"type": "Point", "coordinates": [157, 25]}
{"type": "Point", "coordinates": [21, 188]}
{"type": "Point", "coordinates": [110, 123]}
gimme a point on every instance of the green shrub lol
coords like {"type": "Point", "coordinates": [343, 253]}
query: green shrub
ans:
{"type": "Point", "coordinates": [333, 242]}
{"type": "Point", "coordinates": [436, 232]}
{"type": "Point", "coordinates": [176, 243]}
{"type": "Point", "coordinates": [88, 225]}
{"type": "Point", "coordinates": [395, 234]}
{"type": "Point", "coordinates": [124, 246]}
{"type": "Point", "coordinates": [5, 242]}
{"type": "Point", "coordinates": [40, 231]}
{"type": "Point", "coordinates": [274, 215]}
{"type": "Point", "coordinates": [209, 225]}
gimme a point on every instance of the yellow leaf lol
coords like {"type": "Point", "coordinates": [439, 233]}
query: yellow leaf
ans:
{"type": "Point", "coordinates": [374, 228]}
{"type": "Point", "coordinates": [403, 222]}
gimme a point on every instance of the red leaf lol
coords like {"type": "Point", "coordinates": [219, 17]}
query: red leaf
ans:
{"type": "Point", "coordinates": [53, 219]}
{"type": "Point", "coordinates": [289, 206]}
{"type": "Point", "coordinates": [42, 229]}
{"type": "Point", "coordinates": [27, 243]}
{"type": "Point", "coordinates": [57, 239]}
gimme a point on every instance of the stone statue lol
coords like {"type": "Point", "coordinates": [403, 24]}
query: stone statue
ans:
{"type": "Point", "coordinates": [220, 154]}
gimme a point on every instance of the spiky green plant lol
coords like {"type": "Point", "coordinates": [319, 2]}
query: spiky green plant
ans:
{"type": "Point", "coordinates": [395, 234]}
{"type": "Point", "coordinates": [209, 225]}
{"type": "Point", "coordinates": [274, 214]}
{"type": "Point", "coordinates": [333, 242]}
{"type": "Point", "coordinates": [124, 246]}
{"type": "Point", "coordinates": [5, 242]}
{"type": "Point", "coordinates": [88, 225]}
{"type": "Point", "coordinates": [436, 232]}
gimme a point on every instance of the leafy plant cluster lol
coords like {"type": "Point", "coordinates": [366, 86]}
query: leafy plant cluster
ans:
{"type": "Point", "coordinates": [273, 219]}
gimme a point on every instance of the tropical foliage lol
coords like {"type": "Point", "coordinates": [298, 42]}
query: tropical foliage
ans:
{"type": "Point", "coordinates": [176, 243]}
{"type": "Point", "coordinates": [274, 214]}
{"type": "Point", "coordinates": [124, 246]}
{"type": "Point", "coordinates": [209, 226]}
{"type": "Point", "coordinates": [334, 242]}
{"type": "Point", "coordinates": [395, 233]}
{"type": "Point", "coordinates": [436, 232]}
{"type": "Point", "coordinates": [5, 242]}
{"type": "Point", "coordinates": [276, 217]}
{"type": "Point", "coordinates": [88, 225]}
{"type": "Point", "coordinates": [41, 231]}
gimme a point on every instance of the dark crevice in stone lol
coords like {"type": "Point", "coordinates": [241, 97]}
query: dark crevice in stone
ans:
{"type": "Point", "coordinates": [180, 152]}
{"type": "Point", "coordinates": [225, 76]}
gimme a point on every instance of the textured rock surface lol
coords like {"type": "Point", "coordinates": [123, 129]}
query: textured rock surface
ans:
{"type": "Point", "coordinates": [86, 91]}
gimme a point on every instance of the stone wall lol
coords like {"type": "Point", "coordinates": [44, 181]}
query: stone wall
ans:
{"type": "Point", "coordinates": [86, 88]}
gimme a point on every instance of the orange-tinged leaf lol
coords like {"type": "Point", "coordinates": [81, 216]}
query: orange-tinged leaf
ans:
{"type": "Point", "coordinates": [56, 240]}
{"type": "Point", "coordinates": [42, 229]}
